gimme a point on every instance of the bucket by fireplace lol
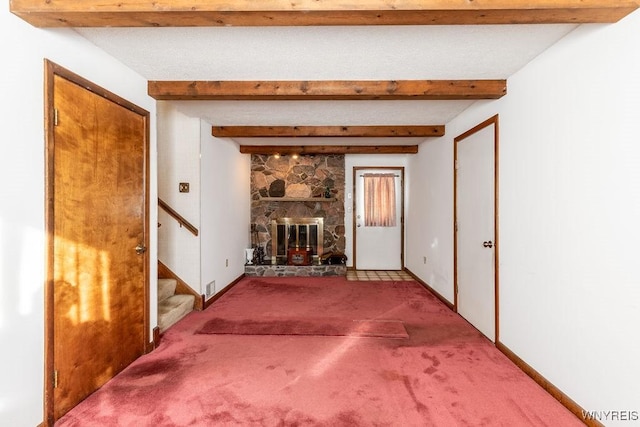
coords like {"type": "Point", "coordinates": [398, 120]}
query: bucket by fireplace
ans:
{"type": "Point", "coordinates": [296, 236]}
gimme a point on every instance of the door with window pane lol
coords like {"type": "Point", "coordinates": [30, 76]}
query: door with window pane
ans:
{"type": "Point", "coordinates": [378, 219]}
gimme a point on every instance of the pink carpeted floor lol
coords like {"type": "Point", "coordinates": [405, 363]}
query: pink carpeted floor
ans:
{"type": "Point", "coordinates": [444, 374]}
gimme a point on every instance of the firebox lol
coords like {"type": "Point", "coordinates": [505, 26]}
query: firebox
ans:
{"type": "Point", "coordinates": [296, 236]}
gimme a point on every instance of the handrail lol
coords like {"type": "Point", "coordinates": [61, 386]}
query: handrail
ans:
{"type": "Point", "coordinates": [183, 222]}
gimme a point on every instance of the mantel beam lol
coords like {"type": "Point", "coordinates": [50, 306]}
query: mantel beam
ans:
{"type": "Point", "coordinates": [207, 13]}
{"type": "Point", "coordinates": [285, 150]}
{"type": "Point", "coordinates": [326, 131]}
{"type": "Point", "coordinates": [327, 90]}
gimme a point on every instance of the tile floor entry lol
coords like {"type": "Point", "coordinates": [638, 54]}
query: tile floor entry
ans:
{"type": "Point", "coordinates": [378, 275]}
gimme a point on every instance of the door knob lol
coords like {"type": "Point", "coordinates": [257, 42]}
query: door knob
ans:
{"type": "Point", "coordinates": [359, 225]}
{"type": "Point", "coordinates": [140, 249]}
{"type": "Point", "coordinates": [488, 244]}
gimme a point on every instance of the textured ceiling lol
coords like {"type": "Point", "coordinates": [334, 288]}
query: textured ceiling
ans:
{"type": "Point", "coordinates": [326, 53]}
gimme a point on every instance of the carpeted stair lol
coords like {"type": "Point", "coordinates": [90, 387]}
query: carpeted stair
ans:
{"type": "Point", "coordinates": [171, 306]}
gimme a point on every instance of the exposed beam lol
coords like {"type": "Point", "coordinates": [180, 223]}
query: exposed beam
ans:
{"type": "Point", "coordinates": [327, 90]}
{"type": "Point", "coordinates": [183, 13]}
{"type": "Point", "coordinates": [328, 149]}
{"type": "Point", "coordinates": [325, 131]}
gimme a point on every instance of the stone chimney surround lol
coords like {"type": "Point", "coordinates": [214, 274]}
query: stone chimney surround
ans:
{"type": "Point", "coordinates": [305, 187]}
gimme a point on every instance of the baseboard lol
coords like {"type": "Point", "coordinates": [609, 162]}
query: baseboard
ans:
{"type": "Point", "coordinates": [554, 391]}
{"type": "Point", "coordinates": [430, 289]}
{"type": "Point", "coordinates": [155, 340]}
{"type": "Point", "coordinates": [182, 287]}
{"type": "Point", "coordinates": [214, 298]}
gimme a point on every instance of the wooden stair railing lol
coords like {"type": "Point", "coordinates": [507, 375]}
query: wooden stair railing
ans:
{"type": "Point", "coordinates": [175, 215]}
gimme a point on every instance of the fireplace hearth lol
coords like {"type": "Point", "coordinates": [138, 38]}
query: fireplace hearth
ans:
{"type": "Point", "coordinates": [296, 250]}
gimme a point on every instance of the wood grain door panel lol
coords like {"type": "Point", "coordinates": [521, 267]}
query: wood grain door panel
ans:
{"type": "Point", "coordinates": [99, 217]}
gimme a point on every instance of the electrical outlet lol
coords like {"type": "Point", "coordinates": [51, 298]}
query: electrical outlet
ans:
{"type": "Point", "coordinates": [183, 187]}
{"type": "Point", "coordinates": [424, 259]}
{"type": "Point", "coordinates": [226, 262]}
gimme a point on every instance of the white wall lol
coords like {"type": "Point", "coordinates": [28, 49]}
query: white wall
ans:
{"type": "Point", "coordinates": [22, 251]}
{"type": "Point", "coordinates": [429, 219]}
{"type": "Point", "coordinates": [179, 161]}
{"type": "Point", "coordinates": [218, 203]}
{"type": "Point", "coordinates": [569, 208]}
{"type": "Point", "coordinates": [366, 160]}
{"type": "Point", "coordinates": [225, 209]}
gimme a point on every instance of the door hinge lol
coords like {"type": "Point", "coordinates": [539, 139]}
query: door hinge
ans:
{"type": "Point", "coordinates": [455, 226]}
{"type": "Point", "coordinates": [55, 379]}
{"type": "Point", "coordinates": [55, 117]}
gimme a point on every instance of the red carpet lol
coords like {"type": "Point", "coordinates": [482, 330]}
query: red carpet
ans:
{"type": "Point", "coordinates": [444, 374]}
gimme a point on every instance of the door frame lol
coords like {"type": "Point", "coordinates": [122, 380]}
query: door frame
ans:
{"type": "Point", "coordinates": [51, 70]}
{"type": "Point", "coordinates": [491, 121]}
{"type": "Point", "coordinates": [354, 245]}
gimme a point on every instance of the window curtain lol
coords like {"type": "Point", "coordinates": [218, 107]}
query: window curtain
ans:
{"type": "Point", "coordinates": [379, 200]}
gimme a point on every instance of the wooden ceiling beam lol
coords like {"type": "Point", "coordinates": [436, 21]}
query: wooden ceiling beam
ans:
{"type": "Point", "coordinates": [183, 13]}
{"type": "Point", "coordinates": [327, 90]}
{"type": "Point", "coordinates": [285, 150]}
{"type": "Point", "coordinates": [326, 131]}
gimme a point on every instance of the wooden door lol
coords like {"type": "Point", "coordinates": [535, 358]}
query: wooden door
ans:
{"type": "Point", "coordinates": [475, 183]}
{"type": "Point", "coordinates": [378, 247]}
{"type": "Point", "coordinates": [97, 227]}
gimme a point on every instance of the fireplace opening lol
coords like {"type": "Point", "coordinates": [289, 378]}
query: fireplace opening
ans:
{"type": "Point", "coordinates": [297, 241]}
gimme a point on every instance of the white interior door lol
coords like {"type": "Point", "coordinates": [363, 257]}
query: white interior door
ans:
{"type": "Point", "coordinates": [475, 205]}
{"type": "Point", "coordinates": [378, 247]}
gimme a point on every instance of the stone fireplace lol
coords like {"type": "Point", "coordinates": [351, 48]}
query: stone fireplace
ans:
{"type": "Point", "coordinates": [284, 188]}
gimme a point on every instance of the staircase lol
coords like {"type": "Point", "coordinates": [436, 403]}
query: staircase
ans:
{"type": "Point", "coordinates": [171, 306]}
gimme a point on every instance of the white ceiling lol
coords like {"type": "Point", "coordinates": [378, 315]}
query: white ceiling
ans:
{"type": "Point", "coordinates": [326, 53]}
